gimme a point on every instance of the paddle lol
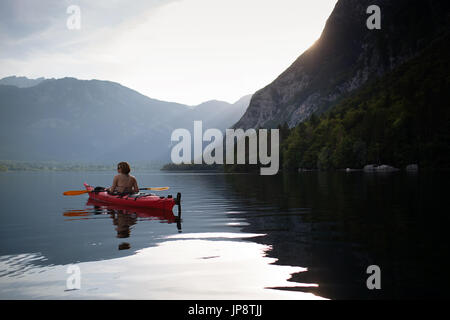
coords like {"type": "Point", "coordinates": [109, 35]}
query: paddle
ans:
{"type": "Point", "coordinates": [78, 192]}
{"type": "Point", "coordinates": [156, 188]}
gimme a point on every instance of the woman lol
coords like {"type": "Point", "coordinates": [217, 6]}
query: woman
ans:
{"type": "Point", "coordinates": [124, 182]}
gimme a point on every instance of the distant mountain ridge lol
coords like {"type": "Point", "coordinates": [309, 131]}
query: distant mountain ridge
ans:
{"type": "Point", "coordinates": [96, 121]}
{"type": "Point", "coordinates": [21, 82]}
{"type": "Point", "coordinates": [224, 112]}
{"type": "Point", "coordinates": [345, 57]}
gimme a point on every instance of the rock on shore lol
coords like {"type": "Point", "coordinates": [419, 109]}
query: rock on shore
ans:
{"type": "Point", "coordinates": [381, 168]}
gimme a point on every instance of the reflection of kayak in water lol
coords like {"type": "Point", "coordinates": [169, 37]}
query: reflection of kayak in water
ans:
{"type": "Point", "coordinates": [141, 200]}
{"type": "Point", "coordinates": [123, 217]}
{"type": "Point", "coordinates": [165, 215]}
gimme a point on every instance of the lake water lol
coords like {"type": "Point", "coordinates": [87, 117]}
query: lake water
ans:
{"type": "Point", "coordinates": [294, 236]}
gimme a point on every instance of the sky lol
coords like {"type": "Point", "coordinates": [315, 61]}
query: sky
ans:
{"type": "Point", "coordinates": [186, 51]}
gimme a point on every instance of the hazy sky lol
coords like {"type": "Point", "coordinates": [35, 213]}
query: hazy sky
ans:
{"type": "Point", "coordinates": [186, 51]}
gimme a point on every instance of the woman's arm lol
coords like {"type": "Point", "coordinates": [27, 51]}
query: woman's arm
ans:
{"type": "Point", "coordinates": [114, 184]}
{"type": "Point", "coordinates": [135, 187]}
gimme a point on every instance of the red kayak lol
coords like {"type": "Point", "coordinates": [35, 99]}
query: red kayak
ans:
{"type": "Point", "coordinates": [141, 200]}
{"type": "Point", "coordinates": [101, 207]}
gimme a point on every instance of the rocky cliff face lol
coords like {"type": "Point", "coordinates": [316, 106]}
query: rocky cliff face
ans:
{"type": "Point", "coordinates": [346, 56]}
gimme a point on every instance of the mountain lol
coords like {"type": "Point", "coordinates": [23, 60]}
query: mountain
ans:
{"type": "Point", "coordinates": [229, 112]}
{"type": "Point", "coordinates": [400, 119]}
{"type": "Point", "coordinates": [96, 121]}
{"type": "Point", "coordinates": [346, 56]}
{"type": "Point", "coordinates": [21, 82]}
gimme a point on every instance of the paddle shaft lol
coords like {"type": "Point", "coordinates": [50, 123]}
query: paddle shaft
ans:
{"type": "Point", "coordinates": [79, 192]}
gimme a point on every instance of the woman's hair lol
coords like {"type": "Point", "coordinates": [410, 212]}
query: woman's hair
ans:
{"type": "Point", "coordinates": [124, 167]}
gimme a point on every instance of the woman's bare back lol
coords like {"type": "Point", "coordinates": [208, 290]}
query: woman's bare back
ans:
{"type": "Point", "coordinates": [124, 183]}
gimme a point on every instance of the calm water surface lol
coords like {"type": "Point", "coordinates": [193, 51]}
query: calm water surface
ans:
{"type": "Point", "coordinates": [297, 236]}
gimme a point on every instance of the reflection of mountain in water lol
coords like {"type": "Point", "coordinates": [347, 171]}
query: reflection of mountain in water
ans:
{"type": "Point", "coordinates": [337, 224]}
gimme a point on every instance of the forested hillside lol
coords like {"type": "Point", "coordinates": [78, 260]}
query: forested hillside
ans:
{"type": "Point", "coordinates": [401, 118]}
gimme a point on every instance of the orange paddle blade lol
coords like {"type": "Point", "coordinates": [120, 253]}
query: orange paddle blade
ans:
{"type": "Point", "coordinates": [156, 188]}
{"type": "Point", "coordinates": [75, 192]}
{"type": "Point", "coordinates": [76, 213]}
